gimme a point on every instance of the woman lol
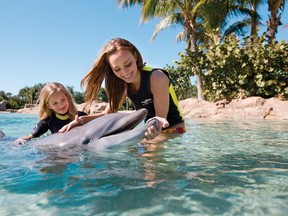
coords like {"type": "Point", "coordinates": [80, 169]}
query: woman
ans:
{"type": "Point", "coordinates": [121, 65]}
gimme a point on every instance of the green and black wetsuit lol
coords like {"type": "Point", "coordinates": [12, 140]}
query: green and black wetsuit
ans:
{"type": "Point", "coordinates": [143, 98]}
{"type": "Point", "coordinates": [53, 123]}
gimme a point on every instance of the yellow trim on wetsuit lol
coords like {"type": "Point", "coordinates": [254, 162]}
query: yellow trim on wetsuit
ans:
{"type": "Point", "coordinates": [175, 100]}
{"type": "Point", "coordinates": [148, 68]}
{"type": "Point", "coordinates": [62, 117]}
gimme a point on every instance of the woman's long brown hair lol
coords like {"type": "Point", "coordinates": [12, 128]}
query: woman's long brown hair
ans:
{"type": "Point", "coordinates": [115, 87]}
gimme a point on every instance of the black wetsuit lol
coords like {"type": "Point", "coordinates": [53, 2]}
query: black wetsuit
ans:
{"type": "Point", "coordinates": [51, 123]}
{"type": "Point", "coordinates": [143, 98]}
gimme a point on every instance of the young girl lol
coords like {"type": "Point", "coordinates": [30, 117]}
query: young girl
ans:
{"type": "Point", "coordinates": [121, 65]}
{"type": "Point", "coordinates": [56, 110]}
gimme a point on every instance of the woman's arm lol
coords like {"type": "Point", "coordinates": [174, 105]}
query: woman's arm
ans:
{"type": "Point", "coordinates": [160, 90]}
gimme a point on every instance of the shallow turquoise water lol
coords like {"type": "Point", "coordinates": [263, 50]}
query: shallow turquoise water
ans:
{"type": "Point", "coordinates": [216, 168]}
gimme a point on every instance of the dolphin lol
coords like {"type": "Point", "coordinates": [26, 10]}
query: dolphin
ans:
{"type": "Point", "coordinates": [101, 133]}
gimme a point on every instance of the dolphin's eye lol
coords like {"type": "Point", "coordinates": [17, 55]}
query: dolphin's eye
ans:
{"type": "Point", "coordinates": [85, 140]}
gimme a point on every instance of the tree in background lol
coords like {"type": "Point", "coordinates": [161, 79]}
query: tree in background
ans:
{"type": "Point", "coordinates": [30, 95]}
{"type": "Point", "coordinates": [235, 69]}
{"type": "Point", "coordinates": [276, 7]}
{"type": "Point", "coordinates": [77, 96]}
{"type": "Point", "coordinates": [205, 21]}
{"type": "Point", "coordinates": [180, 78]}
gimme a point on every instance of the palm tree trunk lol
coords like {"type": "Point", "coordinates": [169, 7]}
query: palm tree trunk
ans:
{"type": "Point", "coordinates": [253, 22]}
{"type": "Point", "coordinates": [274, 20]}
{"type": "Point", "coordinates": [272, 25]}
{"type": "Point", "coordinates": [199, 84]}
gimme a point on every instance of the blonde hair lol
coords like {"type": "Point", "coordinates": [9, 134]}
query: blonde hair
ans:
{"type": "Point", "coordinates": [101, 70]}
{"type": "Point", "coordinates": [45, 94]}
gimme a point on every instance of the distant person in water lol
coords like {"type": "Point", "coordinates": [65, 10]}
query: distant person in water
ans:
{"type": "Point", "coordinates": [121, 65]}
{"type": "Point", "coordinates": [56, 110]}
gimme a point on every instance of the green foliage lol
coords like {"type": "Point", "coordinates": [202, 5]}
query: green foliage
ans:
{"type": "Point", "coordinates": [26, 95]}
{"type": "Point", "coordinates": [4, 96]}
{"type": "Point", "coordinates": [230, 69]}
{"type": "Point", "coordinates": [30, 95]}
{"type": "Point", "coordinates": [15, 102]}
{"type": "Point", "coordinates": [180, 78]}
{"type": "Point", "coordinates": [77, 96]}
{"type": "Point", "coordinates": [102, 95]}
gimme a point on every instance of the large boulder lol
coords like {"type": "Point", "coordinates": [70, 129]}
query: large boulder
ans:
{"type": "Point", "coordinates": [93, 108]}
{"type": "Point", "coordinates": [248, 108]}
{"type": "Point", "coordinates": [3, 105]}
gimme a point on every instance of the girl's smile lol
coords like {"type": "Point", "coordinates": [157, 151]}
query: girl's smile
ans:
{"type": "Point", "coordinates": [123, 64]}
{"type": "Point", "coordinates": [59, 102]}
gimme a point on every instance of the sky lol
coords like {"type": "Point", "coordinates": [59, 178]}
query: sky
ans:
{"type": "Point", "coordinates": [44, 41]}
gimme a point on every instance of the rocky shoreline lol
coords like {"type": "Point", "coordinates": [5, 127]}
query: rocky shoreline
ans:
{"type": "Point", "coordinates": [248, 108]}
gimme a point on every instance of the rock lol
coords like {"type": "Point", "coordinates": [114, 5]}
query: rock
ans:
{"type": "Point", "coordinates": [3, 105]}
{"type": "Point", "coordinates": [248, 108]}
{"type": "Point", "coordinates": [95, 107]}
{"type": "Point", "coordinates": [247, 102]}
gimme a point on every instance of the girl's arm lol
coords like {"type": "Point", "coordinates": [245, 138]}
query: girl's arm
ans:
{"type": "Point", "coordinates": [23, 140]}
{"type": "Point", "coordinates": [84, 119]}
{"type": "Point", "coordinates": [80, 121]}
{"type": "Point", "coordinates": [38, 130]}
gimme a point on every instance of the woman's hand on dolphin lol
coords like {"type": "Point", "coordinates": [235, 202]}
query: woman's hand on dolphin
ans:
{"type": "Point", "coordinates": [152, 131]}
{"type": "Point", "coordinates": [72, 124]}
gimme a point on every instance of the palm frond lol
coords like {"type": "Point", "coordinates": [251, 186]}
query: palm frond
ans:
{"type": "Point", "coordinates": [239, 28]}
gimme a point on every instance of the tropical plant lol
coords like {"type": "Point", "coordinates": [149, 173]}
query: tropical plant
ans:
{"type": "Point", "coordinates": [77, 96]}
{"type": "Point", "coordinates": [233, 69]}
{"type": "Point", "coordinates": [180, 79]}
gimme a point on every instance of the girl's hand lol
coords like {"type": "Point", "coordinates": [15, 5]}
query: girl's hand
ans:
{"type": "Point", "coordinates": [153, 132]}
{"type": "Point", "coordinates": [76, 122]}
{"type": "Point", "coordinates": [23, 140]}
{"type": "Point", "coordinates": [20, 141]}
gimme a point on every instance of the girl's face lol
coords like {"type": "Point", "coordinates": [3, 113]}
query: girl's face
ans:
{"type": "Point", "coordinates": [58, 102]}
{"type": "Point", "coordinates": [123, 64]}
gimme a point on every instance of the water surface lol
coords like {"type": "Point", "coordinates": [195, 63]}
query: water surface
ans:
{"type": "Point", "coordinates": [216, 168]}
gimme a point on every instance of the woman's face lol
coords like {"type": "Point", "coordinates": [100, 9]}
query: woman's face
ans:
{"type": "Point", "coordinates": [123, 64]}
{"type": "Point", "coordinates": [58, 102]}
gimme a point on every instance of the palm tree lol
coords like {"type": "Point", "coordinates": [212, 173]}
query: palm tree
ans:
{"type": "Point", "coordinates": [274, 6]}
{"type": "Point", "coordinates": [248, 9]}
{"type": "Point", "coordinates": [201, 22]}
